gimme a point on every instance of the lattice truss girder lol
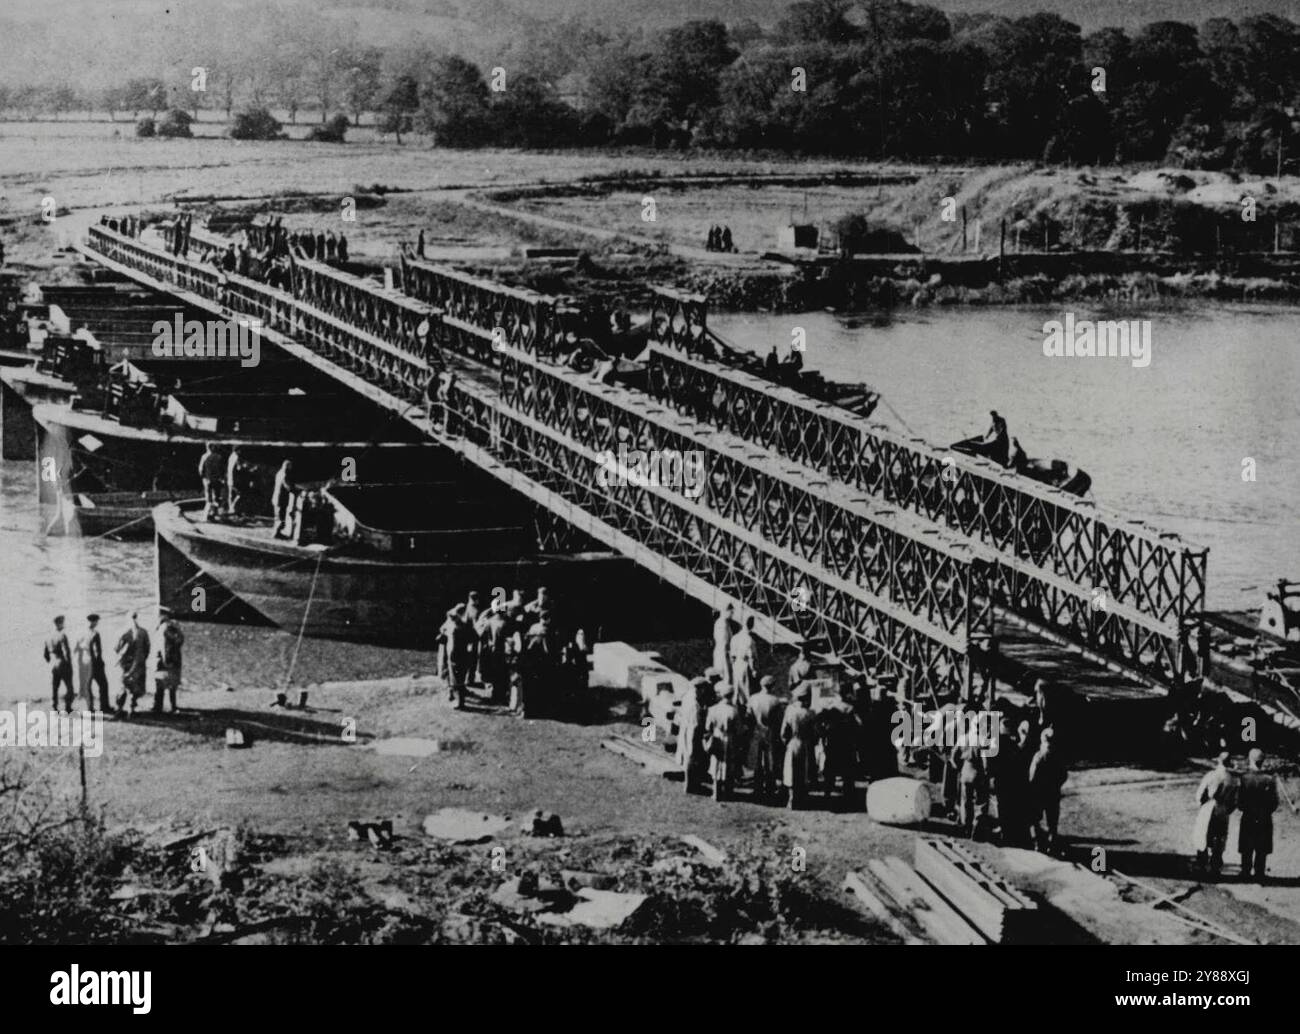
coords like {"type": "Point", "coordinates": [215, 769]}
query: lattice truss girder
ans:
{"type": "Point", "coordinates": [940, 584]}
{"type": "Point", "coordinates": [395, 320]}
{"type": "Point", "coordinates": [766, 578]}
{"type": "Point", "coordinates": [1153, 574]}
{"type": "Point", "coordinates": [386, 365]}
{"type": "Point", "coordinates": [678, 320]}
{"type": "Point", "coordinates": [1004, 510]}
{"type": "Point", "coordinates": [529, 321]}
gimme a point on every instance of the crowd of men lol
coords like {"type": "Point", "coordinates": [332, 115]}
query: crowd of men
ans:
{"type": "Point", "coordinates": [522, 651]}
{"type": "Point", "coordinates": [80, 669]}
{"type": "Point", "coordinates": [1223, 790]}
{"type": "Point", "coordinates": [719, 239]}
{"type": "Point", "coordinates": [229, 481]}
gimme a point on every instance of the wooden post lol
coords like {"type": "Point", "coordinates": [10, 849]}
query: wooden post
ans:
{"type": "Point", "coordinates": [1141, 223]}
{"type": "Point", "coordinates": [1002, 249]}
{"type": "Point", "coordinates": [963, 229]}
{"type": "Point", "coordinates": [81, 757]}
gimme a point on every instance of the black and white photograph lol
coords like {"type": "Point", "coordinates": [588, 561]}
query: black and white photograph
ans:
{"type": "Point", "coordinates": [740, 472]}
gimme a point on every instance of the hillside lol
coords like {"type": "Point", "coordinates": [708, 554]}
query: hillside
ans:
{"type": "Point", "coordinates": [109, 40]}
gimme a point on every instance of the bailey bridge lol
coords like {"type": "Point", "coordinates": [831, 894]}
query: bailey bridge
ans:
{"type": "Point", "coordinates": [817, 520]}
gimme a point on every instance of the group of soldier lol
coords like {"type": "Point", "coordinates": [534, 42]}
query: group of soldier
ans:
{"type": "Point", "coordinates": [520, 650]}
{"type": "Point", "coordinates": [731, 720]}
{"type": "Point", "coordinates": [1223, 790]}
{"type": "Point", "coordinates": [1016, 788]}
{"type": "Point", "coordinates": [80, 668]}
{"type": "Point", "coordinates": [719, 239]}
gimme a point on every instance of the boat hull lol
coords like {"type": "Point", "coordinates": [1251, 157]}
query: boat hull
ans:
{"type": "Point", "coordinates": [92, 455]}
{"type": "Point", "coordinates": [211, 573]}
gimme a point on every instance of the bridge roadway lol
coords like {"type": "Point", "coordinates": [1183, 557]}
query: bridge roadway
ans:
{"type": "Point", "coordinates": [889, 559]}
{"type": "Point", "coordinates": [706, 554]}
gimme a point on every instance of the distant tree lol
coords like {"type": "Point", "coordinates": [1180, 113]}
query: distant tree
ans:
{"type": "Point", "coordinates": [454, 103]}
{"type": "Point", "coordinates": [681, 89]}
{"type": "Point", "coordinates": [816, 21]}
{"type": "Point", "coordinates": [145, 127]}
{"type": "Point", "coordinates": [530, 114]}
{"type": "Point", "coordinates": [254, 124]}
{"type": "Point", "coordinates": [398, 107]}
{"type": "Point", "coordinates": [63, 99]}
{"type": "Point", "coordinates": [1169, 80]}
{"type": "Point", "coordinates": [144, 95]}
{"type": "Point", "coordinates": [1260, 138]}
{"type": "Point", "coordinates": [745, 32]}
{"type": "Point", "coordinates": [333, 132]}
{"type": "Point", "coordinates": [616, 74]}
{"type": "Point", "coordinates": [362, 80]}
{"type": "Point", "coordinates": [175, 123]}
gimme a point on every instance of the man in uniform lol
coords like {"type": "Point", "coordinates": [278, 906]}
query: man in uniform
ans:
{"type": "Point", "coordinates": [167, 675]}
{"type": "Point", "coordinates": [724, 734]}
{"type": "Point", "coordinates": [282, 500]}
{"type": "Point", "coordinates": [539, 663]}
{"type": "Point", "coordinates": [1047, 775]}
{"type": "Point", "coordinates": [722, 642]}
{"type": "Point", "coordinates": [210, 474]}
{"type": "Point", "coordinates": [972, 786]}
{"type": "Point", "coordinates": [1217, 797]}
{"type": "Point", "coordinates": [1257, 799]}
{"type": "Point", "coordinates": [1008, 772]}
{"type": "Point", "coordinates": [493, 631]}
{"type": "Point", "coordinates": [58, 655]}
{"type": "Point", "coordinates": [690, 731]}
{"type": "Point", "coordinates": [473, 611]}
{"type": "Point", "coordinates": [98, 671]}
{"type": "Point", "coordinates": [458, 636]}
{"type": "Point", "coordinates": [233, 474]}
{"type": "Point", "coordinates": [133, 656]}
{"type": "Point", "coordinates": [766, 710]}
{"type": "Point", "coordinates": [744, 662]}
{"type": "Point", "coordinates": [837, 730]}
{"type": "Point", "coordinates": [799, 734]}
{"type": "Point", "coordinates": [802, 668]}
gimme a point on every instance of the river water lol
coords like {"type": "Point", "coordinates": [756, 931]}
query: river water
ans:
{"type": "Point", "coordinates": [1163, 443]}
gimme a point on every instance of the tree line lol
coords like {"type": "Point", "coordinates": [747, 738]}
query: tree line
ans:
{"type": "Point", "coordinates": [869, 78]}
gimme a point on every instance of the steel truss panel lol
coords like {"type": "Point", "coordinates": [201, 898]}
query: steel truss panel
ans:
{"type": "Point", "coordinates": [680, 320]}
{"type": "Point", "coordinates": [526, 320]}
{"type": "Point", "coordinates": [920, 570]}
{"type": "Point", "coordinates": [788, 590]}
{"type": "Point", "coordinates": [404, 372]}
{"type": "Point", "coordinates": [867, 632]}
{"type": "Point", "coordinates": [1105, 582]}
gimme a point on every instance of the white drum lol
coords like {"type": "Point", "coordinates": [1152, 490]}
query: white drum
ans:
{"type": "Point", "coordinates": [899, 801]}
